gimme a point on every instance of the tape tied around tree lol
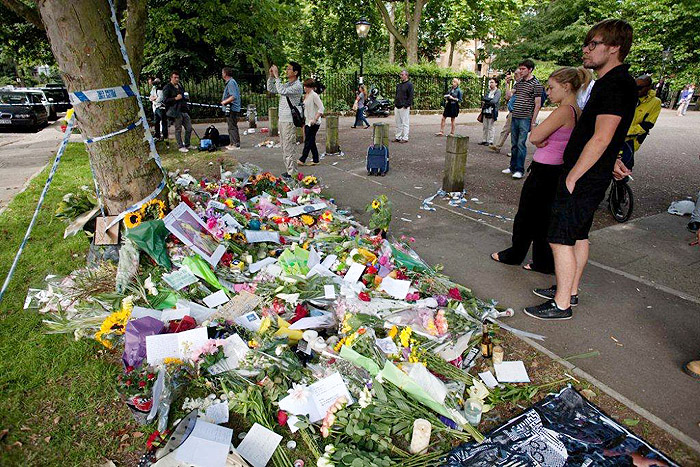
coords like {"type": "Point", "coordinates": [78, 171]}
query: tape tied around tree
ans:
{"type": "Point", "coordinates": [114, 133]}
{"type": "Point", "coordinates": [105, 94]}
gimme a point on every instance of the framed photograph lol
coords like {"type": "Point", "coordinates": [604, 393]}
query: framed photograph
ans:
{"type": "Point", "coordinates": [187, 226]}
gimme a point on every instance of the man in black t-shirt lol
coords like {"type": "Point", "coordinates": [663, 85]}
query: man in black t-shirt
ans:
{"type": "Point", "coordinates": [175, 100]}
{"type": "Point", "coordinates": [589, 159]}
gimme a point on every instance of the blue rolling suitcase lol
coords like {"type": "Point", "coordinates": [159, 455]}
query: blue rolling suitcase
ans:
{"type": "Point", "coordinates": [377, 160]}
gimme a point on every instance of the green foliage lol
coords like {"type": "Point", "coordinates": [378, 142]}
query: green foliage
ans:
{"type": "Point", "coordinates": [554, 31]}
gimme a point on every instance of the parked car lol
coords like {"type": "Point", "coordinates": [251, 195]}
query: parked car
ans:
{"type": "Point", "coordinates": [58, 96]}
{"type": "Point", "coordinates": [50, 109]}
{"type": "Point", "coordinates": [22, 109]}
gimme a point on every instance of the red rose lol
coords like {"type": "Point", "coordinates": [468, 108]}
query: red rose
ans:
{"type": "Point", "coordinates": [299, 312]}
{"type": "Point", "coordinates": [372, 270]}
{"type": "Point", "coordinates": [154, 436]}
{"type": "Point", "coordinates": [142, 384]}
{"type": "Point", "coordinates": [364, 296]}
{"type": "Point", "coordinates": [150, 376]}
{"type": "Point", "coordinates": [129, 369]}
{"type": "Point", "coordinates": [454, 294]}
{"type": "Point", "coordinates": [127, 383]}
{"type": "Point", "coordinates": [282, 417]}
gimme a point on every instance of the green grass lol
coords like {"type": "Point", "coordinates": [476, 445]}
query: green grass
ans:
{"type": "Point", "coordinates": [53, 386]}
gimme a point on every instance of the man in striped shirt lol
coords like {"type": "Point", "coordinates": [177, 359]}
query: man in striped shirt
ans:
{"type": "Point", "coordinates": [528, 100]}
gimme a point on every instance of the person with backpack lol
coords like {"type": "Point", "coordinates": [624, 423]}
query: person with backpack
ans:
{"type": "Point", "coordinates": [290, 101]}
{"type": "Point", "coordinates": [176, 109]}
{"type": "Point", "coordinates": [231, 102]}
{"type": "Point", "coordinates": [156, 98]}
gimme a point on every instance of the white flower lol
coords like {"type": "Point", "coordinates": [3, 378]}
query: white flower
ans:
{"type": "Point", "coordinates": [330, 449]}
{"type": "Point", "coordinates": [478, 391]}
{"type": "Point", "coordinates": [299, 392]}
{"type": "Point", "coordinates": [150, 286]}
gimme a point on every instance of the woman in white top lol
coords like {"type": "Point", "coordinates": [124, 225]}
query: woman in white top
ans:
{"type": "Point", "coordinates": [313, 111]}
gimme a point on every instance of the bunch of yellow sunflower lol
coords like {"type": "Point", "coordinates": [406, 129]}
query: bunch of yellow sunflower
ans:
{"type": "Point", "coordinates": [154, 209]}
{"type": "Point", "coordinates": [132, 219]}
{"type": "Point", "coordinates": [115, 324]}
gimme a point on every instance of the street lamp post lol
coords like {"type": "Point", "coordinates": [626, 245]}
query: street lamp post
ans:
{"type": "Point", "coordinates": [362, 28]}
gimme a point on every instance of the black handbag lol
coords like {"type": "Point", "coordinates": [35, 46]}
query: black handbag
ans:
{"type": "Point", "coordinates": [172, 112]}
{"type": "Point", "coordinates": [297, 116]}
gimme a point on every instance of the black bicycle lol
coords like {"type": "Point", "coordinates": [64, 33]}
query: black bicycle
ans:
{"type": "Point", "coordinates": [621, 199]}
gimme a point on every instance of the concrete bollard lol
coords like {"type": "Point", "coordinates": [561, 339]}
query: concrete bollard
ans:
{"type": "Point", "coordinates": [381, 134]}
{"type": "Point", "coordinates": [300, 134]}
{"type": "Point", "coordinates": [332, 144]}
{"type": "Point", "coordinates": [455, 163]}
{"type": "Point", "coordinates": [273, 121]}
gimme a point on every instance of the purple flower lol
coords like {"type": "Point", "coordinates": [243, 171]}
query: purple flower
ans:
{"type": "Point", "coordinates": [441, 300]}
{"type": "Point", "coordinates": [448, 422]}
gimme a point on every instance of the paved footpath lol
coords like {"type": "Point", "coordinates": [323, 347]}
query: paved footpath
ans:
{"type": "Point", "coordinates": [640, 298]}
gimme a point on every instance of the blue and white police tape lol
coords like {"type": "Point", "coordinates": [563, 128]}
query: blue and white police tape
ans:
{"type": "Point", "coordinates": [57, 159]}
{"type": "Point", "coordinates": [114, 133]}
{"type": "Point", "coordinates": [457, 200]}
{"type": "Point", "coordinates": [106, 94]}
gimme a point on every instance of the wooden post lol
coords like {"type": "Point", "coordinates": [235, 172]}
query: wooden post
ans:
{"type": "Point", "coordinates": [455, 163]}
{"type": "Point", "coordinates": [300, 134]}
{"type": "Point", "coordinates": [332, 145]}
{"type": "Point", "coordinates": [381, 134]}
{"type": "Point", "coordinates": [252, 115]}
{"type": "Point", "coordinates": [273, 121]}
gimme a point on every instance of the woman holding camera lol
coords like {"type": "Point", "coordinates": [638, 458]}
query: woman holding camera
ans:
{"type": "Point", "coordinates": [489, 111]}
{"type": "Point", "coordinates": [452, 100]}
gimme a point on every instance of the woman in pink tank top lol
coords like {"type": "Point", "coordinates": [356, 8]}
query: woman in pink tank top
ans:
{"type": "Point", "coordinates": [551, 137]}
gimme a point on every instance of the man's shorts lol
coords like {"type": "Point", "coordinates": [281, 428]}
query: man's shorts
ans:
{"type": "Point", "coordinates": [572, 213]}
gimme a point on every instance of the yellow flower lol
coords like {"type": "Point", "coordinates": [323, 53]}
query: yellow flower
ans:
{"type": "Point", "coordinates": [229, 203]}
{"type": "Point", "coordinates": [375, 204]}
{"type": "Point", "coordinates": [392, 332]}
{"type": "Point", "coordinates": [339, 345]}
{"type": "Point", "coordinates": [346, 328]}
{"type": "Point", "coordinates": [227, 236]}
{"type": "Point", "coordinates": [172, 361]}
{"type": "Point", "coordinates": [253, 344]}
{"type": "Point", "coordinates": [132, 220]}
{"type": "Point", "coordinates": [327, 216]}
{"type": "Point", "coordinates": [307, 220]}
{"type": "Point", "coordinates": [114, 324]}
{"type": "Point", "coordinates": [265, 325]}
{"type": "Point", "coordinates": [405, 336]}
{"type": "Point", "coordinates": [309, 180]}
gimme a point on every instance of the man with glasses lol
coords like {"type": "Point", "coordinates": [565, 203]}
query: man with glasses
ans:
{"type": "Point", "coordinates": [589, 159]}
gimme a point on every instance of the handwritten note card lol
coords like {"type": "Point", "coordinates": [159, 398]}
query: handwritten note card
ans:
{"type": "Point", "coordinates": [207, 445]}
{"type": "Point", "coordinates": [259, 445]}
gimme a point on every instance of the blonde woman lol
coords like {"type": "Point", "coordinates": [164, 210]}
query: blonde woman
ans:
{"type": "Point", "coordinates": [550, 137]}
{"type": "Point", "coordinates": [360, 106]}
{"type": "Point", "coordinates": [452, 100]}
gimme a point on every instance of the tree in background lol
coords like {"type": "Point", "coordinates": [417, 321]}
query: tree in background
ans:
{"type": "Point", "coordinates": [411, 19]}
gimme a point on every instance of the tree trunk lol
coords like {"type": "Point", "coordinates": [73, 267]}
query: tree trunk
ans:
{"type": "Point", "coordinates": [452, 53]}
{"type": "Point", "coordinates": [88, 55]}
{"type": "Point", "coordinates": [136, 19]}
{"type": "Point", "coordinates": [392, 39]}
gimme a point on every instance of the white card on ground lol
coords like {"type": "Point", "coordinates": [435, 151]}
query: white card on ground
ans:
{"type": "Point", "coordinates": [314, 258]}
{"type": "Point", "coordinates": [258, 265]}
{"type": "Point", "coordinates": [488, 379]}
{"type": "Point", "coordinates": [511, 372]}
{"type": "Point", "coordinates": [292, 423]}
{"type": "Point", "coordinates": [387, 346]}
{"type": "Point", "coordinates": [216, 205]}
{"type": "Point", "coordinates": [259, 445]}
{"type": "Point", "coordinates": [141, 312]}
{"type": "Point", "coordinates": [320, 270]}
{"type": "Point", "coordinates": [251, 321]}
{"type": "Point", "coordinates": [217, 413]}
{"type": "Point", "coordinates": [177, 345]}
{"type": "Point", "coordinates": [319, 398]}
{"type": "Point", "coordinates": [397, 288]}
{"type": "Point", "coordinates": [305, 209]}
{"type": "Point", "coordinates": [216, 299]}
{"type": "Point", "coordinates": [295, 192]}
{"type": "Point", "coordinates": [311, 322]}
{"type": "Point", "coordinates": [259, 236]}
{"type": "Point", "coordinates": [329, 291]}
{"type": "Point", "coordinates": [273, 269]}
{"type": "Point", "coordinates": [354, 273]}
{"type": "Point", "coordinates": [451, 351]}
{"type": "Point", "coordinates": [171, 314]}
{"type": "Point", "coordinates": [328, 261]}
{"type": "Point", "coordinates": [286, 201]}
{"type": "Point", "coordinates": [207, 445]}
{"type": "Point", "coordinates": [180, 278]}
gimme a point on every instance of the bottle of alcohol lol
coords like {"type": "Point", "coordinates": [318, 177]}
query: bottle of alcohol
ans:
{"type": "Point", "coordinates": [486, 344]}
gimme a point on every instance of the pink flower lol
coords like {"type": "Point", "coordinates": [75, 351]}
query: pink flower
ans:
{"type": "Point", "coordinates": [441, 322]}
{"type": "Point", "coordinates": [383, 260]}
{"type": "Point", "coordinates": [412, 297]}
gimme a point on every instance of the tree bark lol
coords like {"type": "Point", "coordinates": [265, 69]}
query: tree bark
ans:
{"type": "Point", "coordinates": [452, 53]}
{"type": "Point", "coordinates": [392, 39]}
{"type": "Point", "coordinates": [25, 11]}
{"type": "Point", "coordinates": [83, 42]}
{"type": "Point", "coordinates": [136, 19]}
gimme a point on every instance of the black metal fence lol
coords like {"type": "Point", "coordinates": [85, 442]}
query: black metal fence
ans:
{"type": "Point", "coordinates": [339, 93]}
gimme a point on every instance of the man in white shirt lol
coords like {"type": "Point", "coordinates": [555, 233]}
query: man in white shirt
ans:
{"type": "Point", "coordinates": [293, 91]}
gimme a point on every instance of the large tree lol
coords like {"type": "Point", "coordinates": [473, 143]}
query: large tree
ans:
{"type": "Point", "coordinates": [85, 47]}
{"type": "Point", "coordinates": [411, 20]}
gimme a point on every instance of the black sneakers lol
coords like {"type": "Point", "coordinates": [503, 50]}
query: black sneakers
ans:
{"type": "Point", "coordinates": [550, 292]}
{"type": "Point", "coordinates": [548, 311]}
